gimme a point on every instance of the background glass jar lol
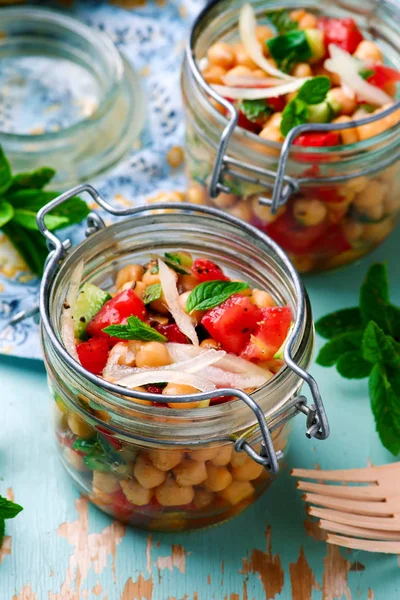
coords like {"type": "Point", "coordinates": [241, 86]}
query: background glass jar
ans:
{"type": "Point", "coordinates": [154, 467]}
{"type": "Point", "coordinates": [348, 197]}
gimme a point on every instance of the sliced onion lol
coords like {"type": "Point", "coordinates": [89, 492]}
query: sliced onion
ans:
{"type": "Point", "coordinates": [347, 67]}
{"type": "Point", "coordinates": [183, 320]}
{"type": "Point", "coordinates": [163, 375]}
{"type": "Point", "coordinates": [248, 37]}
{"type": "Point", "coordinates": [241, 93]}
{"type": "Point", "coordinates": [112, 365]}
{"type": "Point", "coordinates": [179, 352]}
{"type": "Point", "coordinates": [67, 321]}
{"type": "Point", "coordinates": [235, 380]}
{"type": "Point", "coordinates": [235, 364]}
{"type": "Point", "coordinates": [250, 81]}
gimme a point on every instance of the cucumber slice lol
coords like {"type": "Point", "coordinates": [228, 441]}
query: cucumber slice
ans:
{"type": "Point", "coordinates": [88, 303]}
{"type": "Point", "coordinates": [279, 353]}
{"type": "Point", "coordinates": [319, 113]}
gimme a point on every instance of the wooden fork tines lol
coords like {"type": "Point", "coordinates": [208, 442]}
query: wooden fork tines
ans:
{"type": "Point", "coordinates": [366, 515]}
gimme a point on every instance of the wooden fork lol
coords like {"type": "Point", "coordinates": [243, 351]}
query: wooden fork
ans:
{"type": "Point", "coordinates": [368, 514]}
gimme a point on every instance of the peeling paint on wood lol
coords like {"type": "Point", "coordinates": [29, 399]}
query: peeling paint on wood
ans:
{"type": "Point", "coordinates": [268, 568]}
{"type": "Point", "coordinates": [176, 559]}
{"type": "Point", "coordinates": [97, 589]}
{"type": "Point", "coordinates": [357, 566]}
{"type": "Point", "coordinates": [334, 578]}
{"type": "Point", "coordinates": [149, 545]}
{"type": "Point", "coordinates": [209, 579]}
{"type": "Point", "coordinates": [142, 589]}
{"type": "Point", "coordinates": [313, 530]}
{"type": "Point", "coordinates": [371, 594]}
{"type": "Point", "coordinates": [26, 594]}
{"type": "Point", "coordinates": [302, 578]}
{"type": "Point", "coordinates": [5, 549]}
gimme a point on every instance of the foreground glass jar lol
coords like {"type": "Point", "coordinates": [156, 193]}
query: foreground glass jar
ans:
{"type": "Point", "coordinates": [342, 200]}
{"type": "Point", "coordinates": [161, 468]}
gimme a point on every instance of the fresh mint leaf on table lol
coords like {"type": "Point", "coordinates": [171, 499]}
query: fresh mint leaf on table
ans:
{"type": "Point", "coordinates": [21, 197]}
{"type": "Point", "coordinates": [209, 294]}
{"type": "Point", "coordinates": [365, 342]}
{"type": "Point", "coordinates": [135, 329]}
{"type": "Point", "coordinates": [8, 510]}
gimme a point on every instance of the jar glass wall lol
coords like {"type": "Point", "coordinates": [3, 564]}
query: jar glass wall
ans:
{"type": "Point", "coordinates": [349, 196]}
{"type": "Point", "coordinates": [161, 468]}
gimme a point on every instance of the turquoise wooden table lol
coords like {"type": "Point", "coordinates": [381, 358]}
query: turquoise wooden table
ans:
{"type": "Point", "coordinates": [59, 548]}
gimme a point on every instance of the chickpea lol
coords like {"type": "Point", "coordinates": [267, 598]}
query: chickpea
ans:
{"type": "Point", "coordinates": [129, 273]}
{"type": "Point", "coordinates": [242, 58]}
{"type": "Point", "coordinates": [165, 460]}
{"type": "Point", "coordinates": [347, 136]}
{"type": "Point", "coordinates": [136, 493]}
{"type": "Point", "coordinates": [105, 482]}
{"type": "Point", "coordinates": [352, 230]}
{"type": "Point", "coordinates": [334, 77]}
{"type": "Point", "coordinates": [170, 493]}
{"type": "Point", "coordinates": [124, 353]}
{"type": "Point", "coordinates": [262, 299]}
{"type": "Point", "coordinates": [358, 184]}
{"type": "Point", "coordinates": [259, 74]}
{"type": "Point", "coordinates": [263, 212]}
{"type": "Point", "coordinates": [302, 70]}
{"type": "Point", "coordinates": [139, 289]}
{"type": "Point", "coordinates": [210, 344]}
{"type": "Point", "coordinates": [74, 459]}
{"type": "Point", "coordinates": [152, 354]}
{"type": "Point", "coordinates": [390, 87]}
{"type": "Point", "coordinates": [190, 472]}
{"type": "Point", "coordinates": [309, 21]}
{"type": "Point", "coordinates": [303, 264]}
{"type": "Point", "coordinates": [187, 282]}
{"type": "Point", "coordinates": [177, 389]}
{"type": "Point", "coordinates": [79, 427]}
{"type": "Point", "coordinates": [368, 51]}
{"type": "Point", "coordinates": [372, 195]}
{"type": "Point", "coordinates": [376, 232]}
{"type": "Point", "coordinates": [298, 14]}
{"type": "Point", "coordinates": [347, 105]}
{"type": "Point", "coordinates": [202, 498]}
{"type": "Point", "coordinates": [309, 212]}
{"type": "Point", "coordinates": [392, 202]}
{"type": "Point", "coordinates": [223, 456]}
{"type": "Point", "coordinates": [238, 458]}
{"type": "Point", "coordinates": [272, 134]}
{"type": "Point", "coordinates": [159, 305]}
{"type": "Point", "coordinates": [275, 120]}
{"type": "Point", "coordinates": [175, 156]}
{"type": "Point", "coordinates": [147, 474]}
{"type": "Point", "coordinates": [196, 193]}
{"type": "Point", "coordinates": [241, 71]}
{"type": "Point", "coordinates": [150, 278]}
{"type": "Point", "coordinates": [264, 33]}
{"type": "Point", "coordinates": [219, 107]}
{"type": "Point", "coordinates": [237, 491]}
{"type": "Point", "coordinates": [196, 315]}
{"type": "Point", "coordinates": [242, 210]}
{"type": "Point", "coordinates": [204, 454]}
{"type": "Point", "coordinates": [225, 200]}
{"type": "Point", "coordinates": [248, 471]}
{"type": "Point", "coordinates": [221, 54]}
{"type": "Point", "coordinates": [218, 478]}
{"type": "Point", "coordinates": [140, 388]}
{"type": "Point", "coordinates": [247, 291]}
{"type": "Point", "coordinates": [213, 74]}
{"type": "Point", "coordinates": [378, 127]}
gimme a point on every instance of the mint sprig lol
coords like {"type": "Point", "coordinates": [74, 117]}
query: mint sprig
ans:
{"type": "Point", "coordinates": [8, 510]}
{"type": "Point", "coordinates": [254, 110]}
{"type": "Point", "coordinates": [289, 48]}
{"type": "Point", "coordinates": [297, 112]}
{"type": "Point", "coordinates": [282, 21]}
{"type": "Point", "coordinates": [210, 294]}
{"type": "Point", "coordinates": [135, 329]}
{"type": "Point", "coordinates": [152, 292]}
{"type": "Point", "coordinates": [363, 342]}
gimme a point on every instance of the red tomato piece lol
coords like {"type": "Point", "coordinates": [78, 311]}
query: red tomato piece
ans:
{"type": "Point", "coordinates": [270, 333]}
{"type": "Point", "coordinates": [293, 237]}
{"type": "Point", "coordinates": [172, 333]}
{"type": "Point", "coordinates": [116, 312]}
{"type": "Point", "coordinates": [93, 354]}
{"type": "Point", "coordinates": [121, 506]}
{"type": "Point", "coordinates": [342, 32]}
{"type": "Point", "coordinates": [244, 122]}
{"type": "Point", "coordinates": [110, 436]}
{"type": "Point", "coordinates": [331, 243]}
{"type": "Point", "coordinates": [317, 139]}
{"type": "Point", "coordinates": [383, 75]}
{"type": "Point", "coordinates": [278, 103]}
{"type": "Point", "coordinates": [232, 322]}
{"type": "Point", "coordinates": [154, 389]}
{"type": "Point", "coordinates": [206, 270]}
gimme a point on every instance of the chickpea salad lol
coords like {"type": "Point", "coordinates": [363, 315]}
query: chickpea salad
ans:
{"type": "Point", "coordinates": [302, 68]}
{"type": "Point", "coordinates": [177, 325]}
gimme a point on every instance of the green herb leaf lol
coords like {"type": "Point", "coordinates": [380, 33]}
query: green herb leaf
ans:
{"type": "Point", "coordinates": [341, 321]}
{"type": "Point", "coordinates": [31, 245]}
{"type": "Point", "coordinates": [352, 365]}
{"type": "Point", "coordinates": [289, 49]}
{"type": "Point", "coordinates": [254, 110]}
{"type": "Point", "coordinates": [365, 73]}
{"type": "Point", "coordinates": [295, 113]}
{"type": "Point", "coordinates": [282, 21]}
{"type": "Point", "coordinates": [212, 293]}
{"type": "Point", "coordinates": [8, 509]}
{"type": "Point", "coordinates": [34, 180]}
{"type": "Point", "coordinates": [386, 409]}
{"type": "Point", "coordinates": [393, 314]}
{"type": "Point", "coordinates": [74, 210]}
{"type": "Point", "coordinates": [154, 269]}
{"type": "Point", "coordinates": [332, 350]}
{"type": "Point", "coordinates": [175, 263]}
{"type": "Point", "coordinates": [152, 292]}
{"type": "Point", "coordinates": [374, 298]}
{"type": "Point", "coordinates": [27, 219]}
{"type": "Point", "coordinates": [5, 173]}
{"type": "Point", "coordinates": [315, 90]}
{"type": "Point", "coordinates": [98, 463]}
{"type": "Point", "coordinates": [86, 446]}
{"type": "Point", "coordinates": [135, 330]}
{"type": "Point", "coordinates": [2, 530]}
{"type": "Point", "coordinates": [369, 108]}
{"type": "Point", "coordinates": [6, 212]}
{"type": "Point", "coordinates": [378, 347]}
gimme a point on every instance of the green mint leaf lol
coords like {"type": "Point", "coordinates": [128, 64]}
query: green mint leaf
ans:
{"type": "Point", "coordinates": [342, 343]}
{"type": "Point", "coordinates": [365, 73]}
{"type": "Point", "coordinates": [374, 298]}
{"type": "Point", "coordinates": [2, 530]}
{"type": "Point", "coordinates": [8, 509]}
{"type": "Point", "coordinates": [152, 292]}
{"type": "Point", "coordinates": [393, 314]}
{"type": "Point", "coordinates": [6, 212]}
{"type": "Point", "coordinates": [27, 219]}
{"type": "Point", "coordinates": [253, 110]}
{"type": "Point", "coordinates": [282, 21]}
{"type": "Point", "coordinates": [31, 245]}
{"type": "Point", "coordinates": [98, 463]}
{"type": "Point", "coordinates": [315, 90]}
{"type": "Point", "coordinates": [74, 210]}
{"type": "Point", "coordinates": [369, 108]}
{"type": "Point", "coordinates": [295, 113]}
{"type": "Point", "coordinates": [341, 321]}
{"type": "Point", "coordinates": [154, 269]}
{"type": "Point", "coordinates": [34, 180]}
{"type": "Point", "coordinates": [212, 293]}
{"type": "Point", "coordinates": [385, 408]}
{"type": "Point", "coordinates": [379, 347]}
{"type": "Point", "coordinates": [289, 49]}
{"type": "Point", "coordinates": [175, 263]}
{"type": "Point", "coordinates": [135, 330]}
{"type": "Point", "coordinates": [352, 365]}
{"type": "Point", "coordinates": [5, 173]}
{"type": "Point", "coordinates": [86, 446]}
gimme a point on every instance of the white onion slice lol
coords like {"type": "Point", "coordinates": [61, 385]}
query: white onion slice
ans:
{"type": "Point", "coordinates": [67, 322]}
{"type": "Point", "coordinates": [241, 93]}
{"type": "Point", "coordinates": [346, 66]}
{"type": "Point", "coordinates": [248, 37]}
{"type": "Point", "coordinates": [163, 375]}
{"type": "Point", "coordinates": [235, 380]}
{"type": "Point", "coordinates": [250, 81]}
{"type": "Point", "coordinates": [183, 320]}
{"type": "Point", "coordinates": [112, 365]}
